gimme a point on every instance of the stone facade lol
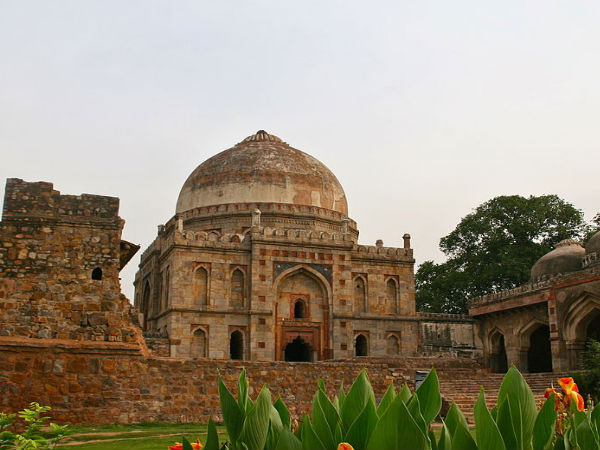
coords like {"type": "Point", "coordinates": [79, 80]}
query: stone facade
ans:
{"type": "Point", "coordinates": [543, 325]}
{"type": "Point", "coordinates": [272, 274]}
{"type": "Point", "coordinates": [60, 257]}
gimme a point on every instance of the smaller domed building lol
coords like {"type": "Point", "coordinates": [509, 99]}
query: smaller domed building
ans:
{"type": "Point", "coordinates": [544, 324]}
{"type": "Point", "coordinates": [262, 262]}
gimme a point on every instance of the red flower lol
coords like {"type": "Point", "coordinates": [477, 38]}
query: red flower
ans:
{"type": "Point", "coordinates": [179, 446]}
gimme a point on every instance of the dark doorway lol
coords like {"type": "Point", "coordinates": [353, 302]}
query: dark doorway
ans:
{"type": "Point", "coordinates": [97, 273]}
{"type": "Point", "coordinates": [593, 330]}
{"type": "Point", "coordinates": [236, 345]}
{"type": "Point", "coordinates": [498, 360]}
{"type": "Point", "coordinates": [299, 310]}
{"type": "Point", "coordinates": [360, 346]}
{"type": "Point", "coordinates": [539, 355]}
{"type": "Point", "coordinates": [298, 350]}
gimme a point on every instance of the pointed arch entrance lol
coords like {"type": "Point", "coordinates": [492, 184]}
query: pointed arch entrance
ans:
{"type": "Point", "coordinates": [498, 360]}
{"type": "Point", "coordinates": [539, 354]}
{"type": "Point", "coordinates": [302, 315]}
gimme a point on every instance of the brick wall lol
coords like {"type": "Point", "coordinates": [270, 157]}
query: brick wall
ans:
{"type": "Point", "coordinates": [106, 382]}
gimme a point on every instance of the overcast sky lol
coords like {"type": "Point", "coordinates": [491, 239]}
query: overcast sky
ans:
{"type": "Point", "coordinates": [423, 110]}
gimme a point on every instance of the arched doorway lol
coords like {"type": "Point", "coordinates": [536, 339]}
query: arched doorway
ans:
{"type": "Point", "coordinates": [198, 344]}
{"type": "Point", "coordinates": [361, 346]}
{"type": "Point", "coordinates": [539, 355]}
{"type": "Point", "coordinates": [298, 350]}
{"type": "Point", "coordinates": [393, 345]}
{"type": "Point", "coordinates": [236, 345]}
{"type": "Point", "coordinates": [593, 330]}
{"type": "Point", "coordinates": [498, 360]}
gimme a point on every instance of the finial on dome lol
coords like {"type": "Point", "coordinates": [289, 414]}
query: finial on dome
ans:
{"type": "Point", "coordinates": [262, 135]}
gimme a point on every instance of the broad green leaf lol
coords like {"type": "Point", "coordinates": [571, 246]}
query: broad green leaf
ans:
{"type": "Point", "coordinates": [454, 417]}
{"type": "Point", "coordinates": [389, 395]}
{"type": "Point", "coordinates": [185, 444]}
{"type": "Point", "coordinates": [585, 437]}
{"type": "Point", "coordinates": [505, 425]}
{"type": "Point", "coordinates": [432, 440]}
{"type": "Point", "coordinates": [336, 404]}
{"type": "Point", "coordinates": [256, 425]}
{"type": "Point", "coordinates": [358, 396]}
{"type": "Point", "coordinates": [397, 430]}
{"type": "Point", "coordinates": [341, 396]}
{"type": "Point", "coordinates": [429, 395]}
{"type": "Point", "coordinates": [462, 439]}
{"type": "Point", "coordinates": [338, 433]}
{"type": "Point", "coordinates": [275, 428]}
{"type": "Point", "coordinates": [445, 441]}
{"type": "Point", "coordinates": [522, 406]}
{"type": "Point", "coordinates": [415, 411]}
{"type": "Point", "coordinates": [543, 429]}
{"type": "Point", "coordinates": [488, 435]}
{"type": "Point", "coordinates": [284, 412]}
{"type": "Point", "coordinates": [405, 394]}
{"type": "Point", "coordinates": [310, 441]}
{"type": "Point", "coordinates": [595, 417]}
{"type": "Point", "coordinates": [319, 423]}
{"type": "Point", "coordinates": [232, 415]}
{"type": "Point", "coordinates": [560, 443]}
{"type": "Point", "coordinates": [288, 441]}
{"type": "Point", "coordinates": [243, 390]}
{"type": "Point", "coordinates": [360, 431]}
{"type": "Point", "coordinates": [321, 385]}
{"type": "Point", "coordinates": [212, 438]}
{"type": "Point", "coordinates": [331, 414]}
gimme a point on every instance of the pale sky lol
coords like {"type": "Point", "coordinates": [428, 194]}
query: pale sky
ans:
{"type": "Point", "coordinates": [423, 110]}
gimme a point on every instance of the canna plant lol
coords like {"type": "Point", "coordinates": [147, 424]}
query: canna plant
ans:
{"type": "Point", "coordinates": [403, 420]}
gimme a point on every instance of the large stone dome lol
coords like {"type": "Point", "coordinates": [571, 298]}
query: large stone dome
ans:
{"type": "Point", "coordinates": [593, 244]}
{"type": "Point", "coordinates": [262, 169]}
{"type": "Point", "coordinates": [566, 257]}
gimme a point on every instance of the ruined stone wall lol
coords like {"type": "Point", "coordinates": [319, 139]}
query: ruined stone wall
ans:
{"type": "Point", "coordinates": [59, 265]}
{"type": "Point", "coordinates": [106, 382]}
{"type": "Point", "coordinates": [452, 334]}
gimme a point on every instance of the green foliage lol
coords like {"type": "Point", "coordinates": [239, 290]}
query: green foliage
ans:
{"type": "Point", "coordinates": [403, 420]}
{"type": "Point", "coordinates": [494, 248]}
{"type": "Point", "coordinates": [33, 437]}
{"type": "Point", "coordinates": [589, 381]}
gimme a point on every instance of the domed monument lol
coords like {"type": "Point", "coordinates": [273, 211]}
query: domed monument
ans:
{"type": "Point", "coordinates": [262, 262]}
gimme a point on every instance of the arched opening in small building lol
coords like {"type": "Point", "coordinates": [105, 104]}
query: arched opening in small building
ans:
{"type": "Point", "coordinates": [97, 273]}
{"type": "Point", "coordinates": [539, 355]}
{"type": "Point", "coordinates": [298, 350]}
{"type": "Point", "coordinates": [593, 329]}
{"type": "Point", "coordinates": [360, 295]}
{"type": "Point", "coordinates": [360, 346]}
{"type": "Point", "coordinates": [198, 345]}
{"type": "Point", "coordinates": [498, 360]}
{"type": "Point", "coordinates": [299, 310]}
{"type": "Point", "coordinates": [146, 305]}
{"type": "Point", "coordinates": [393, 345]}
{"type": "Point", "coordinates": [236, 345]}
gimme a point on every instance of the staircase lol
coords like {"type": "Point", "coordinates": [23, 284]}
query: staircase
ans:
{"type": "Point", "coordinates": [462, 386]}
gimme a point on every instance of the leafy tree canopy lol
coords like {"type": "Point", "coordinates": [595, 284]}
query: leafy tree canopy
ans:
{"type": "Point", "coordinates": [494, 247]}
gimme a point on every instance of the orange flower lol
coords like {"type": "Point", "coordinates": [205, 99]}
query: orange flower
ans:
{"type": "Point", "coordinates": [345, 446]}
{"type": "Point", "coordinates": [568, 384]}
{"type": "Point", "coordinates": [578, 399]}
{"type": "Point", "coordinates": [179, 446]}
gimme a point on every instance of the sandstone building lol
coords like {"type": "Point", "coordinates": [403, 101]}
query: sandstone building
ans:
{"type": "Point", "coordinates": [543, 325]}
{"type": "Point", "coordinates": [262, 262]}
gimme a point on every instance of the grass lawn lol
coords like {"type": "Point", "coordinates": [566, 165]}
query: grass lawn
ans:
{"type": "Point", "coordinates": [145, 436]}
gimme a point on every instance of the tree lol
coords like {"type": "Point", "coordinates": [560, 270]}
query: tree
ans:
{"type": "Point", "coordinates": [493, 249]}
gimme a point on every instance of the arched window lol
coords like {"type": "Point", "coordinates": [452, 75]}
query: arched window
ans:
{"type": "Point", "coordinates": [167, 289]}
{"type": "Point", "coordinates": [200, 286]}
{"type": "Point", "coordinates": [361, 346]}
{"type": "Point", "coordinates": [237, 289]}
{"type": "Point", "coordinates": [392, 296]}
{"type": "Point", "coordinates": [393, 345]}
{"type": "Point", "coordinates": [236, 345]}
{"type": "Point", "coordinates": [97, 273]}
{"type": "Point", "coordinates": [198, 345]}
{"type": "Point", "coordinates": [299, 310]}
{"type": "Point", "coordinates": [360, 294]}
